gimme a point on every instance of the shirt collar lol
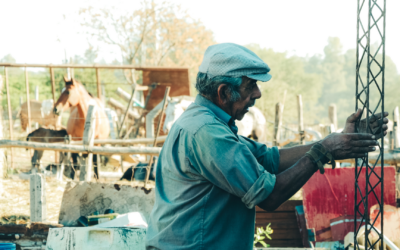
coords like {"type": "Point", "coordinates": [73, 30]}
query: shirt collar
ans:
{"type": "Point", "coordinates": [218, 112]}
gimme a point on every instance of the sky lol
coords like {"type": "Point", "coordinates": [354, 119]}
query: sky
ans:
{"type": "Point", "coordinates": [44, 31]}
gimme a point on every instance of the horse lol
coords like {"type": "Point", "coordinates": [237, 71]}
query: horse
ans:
{"type": "Point", "coordinates": [46, 136]}
{"type": "Point", "coordinates": [76, 97]}
{"type": "Point", "coordinates": [253, 124]}
{"type": "Point", "coordinates": [40, 113]}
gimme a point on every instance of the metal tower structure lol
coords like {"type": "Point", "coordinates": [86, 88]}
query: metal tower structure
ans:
{"type": "Point", "coordinates": [370, 79]}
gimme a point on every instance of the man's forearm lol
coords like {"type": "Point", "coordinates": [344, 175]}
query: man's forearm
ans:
{"type": "Point", "coordinates": [289, 156]}
{"type": "Point", "coordinates": [288, 183]}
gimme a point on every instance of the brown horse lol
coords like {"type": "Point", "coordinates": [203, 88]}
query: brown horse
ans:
{"type": "Point", "coordinates": [47, 120]}
{"type": "Point", "coordinates": [78, 99]}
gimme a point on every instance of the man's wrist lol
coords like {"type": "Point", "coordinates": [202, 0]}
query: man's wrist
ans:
{"type": "Point", "coordinates": [312, 162]}
{"type": "Point", "coordinates": [320, 156]}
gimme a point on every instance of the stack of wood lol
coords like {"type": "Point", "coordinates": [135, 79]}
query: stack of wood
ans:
{"type": "Point", "coordinates": [284, 223]}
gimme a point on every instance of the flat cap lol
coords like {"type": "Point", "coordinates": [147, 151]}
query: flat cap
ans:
{"type": "Point", "coordinates": [233, 60]}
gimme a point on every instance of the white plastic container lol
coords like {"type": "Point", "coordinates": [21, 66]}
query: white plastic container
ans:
{"type": "Point", "coordinates": [94, 238]}
{"type": "Point", "coordinates": [131, 220]}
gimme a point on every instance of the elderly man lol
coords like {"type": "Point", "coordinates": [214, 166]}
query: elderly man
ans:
{"type": "Point", "coordinates": [209, 179]}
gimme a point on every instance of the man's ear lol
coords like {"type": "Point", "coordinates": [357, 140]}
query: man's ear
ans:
{"type": "Point", "coordinates": [223, 94]}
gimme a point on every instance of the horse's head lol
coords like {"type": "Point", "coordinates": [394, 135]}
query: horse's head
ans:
{"type": "Point", "coordinates": [69, 97]}
{"type": "Point", "coordinates": [172, 113]}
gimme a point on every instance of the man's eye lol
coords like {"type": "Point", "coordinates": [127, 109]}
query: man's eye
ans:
{"type": "Point", "coordinates": [252, 86]}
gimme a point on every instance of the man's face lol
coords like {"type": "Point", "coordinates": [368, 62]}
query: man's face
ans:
{"type": "Point", "coordinates": [249, 92]}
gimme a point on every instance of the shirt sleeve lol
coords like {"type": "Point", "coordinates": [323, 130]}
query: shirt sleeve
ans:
{"type": "Point", "coordinates": [222, 159]}
{"type": "Point", "coordinates": [267, 157]}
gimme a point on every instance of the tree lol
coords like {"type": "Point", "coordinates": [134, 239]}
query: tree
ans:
{"type": "Point", "coordinates": [154, 35]}
{"type": "Point", "coordinates": [288, 73]}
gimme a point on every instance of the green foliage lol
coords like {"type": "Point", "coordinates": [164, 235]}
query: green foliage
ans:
{"type": "Point", "coordinates": [288, 73]}
{"type": "Point", "coordinates": [261, 234]}
{"type": "Point", "coordinates": [321, 80]}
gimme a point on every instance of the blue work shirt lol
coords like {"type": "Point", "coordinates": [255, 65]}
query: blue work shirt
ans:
{"type": "Point", "coordinates": [208, 182]}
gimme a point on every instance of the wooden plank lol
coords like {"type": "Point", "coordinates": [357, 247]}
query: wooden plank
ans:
{"type": "Point", "coordinates": [124, 141]}
{"type": "Point", "coordinates": [285, 235]}
{"type": "Point", "coordinates": [13, 229]}
{"type": "Point", "coordinates": [80, 149]}
{"type": "Point", "coordinates": [301, 120]}
{"type": "Point", "coordinates": [284, 243]}
{"type": "Point", "coordinates": [98, 83]}
{"type": "Point", "coordinates": [301, 221]}
{"type": "Point", "coordinates": [396, 130]}
{"type": "Point", "coordinates": [276, 217]}
{"type": "Point", "coordinates": [126, 96]}
{"type": "Point", "coordinates": [10, 123]}
{"type": "Point", "coordinates": [152, 68]}
{"type": "Point", "coordinates": [40, 226]}
{"type": "Point", "coordinates": [286, 206]}
{"type": "Point", "coordinates": [278, 123]}
{"type": "Point", "coordinates": [28, 103]}
{"type": "Point", "coordinates": [117, 105]}
{"type": "Point", "coordinates": [53, 84]}
{"type": "Point", "coordinates": [165, 103]}
{"type": "Point", "coordinates": [333, 116]}
{"type": "Point", "coordinates": [37, 197]}
{"type": "Point", "coordinates": [281, 224]}
{"type": "Point", "coordinates": [278, 232]}
{"type": "Point", "coordinates": [88, 141]}
{"type": "Point", "coordinates": [134, 91]}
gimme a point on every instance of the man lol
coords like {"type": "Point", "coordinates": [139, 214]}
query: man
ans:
{"type": "Point", "coordinates": [209, 179]}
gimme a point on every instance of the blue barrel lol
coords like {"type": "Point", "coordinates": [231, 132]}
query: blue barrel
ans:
{"type": "Point", "coordinates": [7, 246]}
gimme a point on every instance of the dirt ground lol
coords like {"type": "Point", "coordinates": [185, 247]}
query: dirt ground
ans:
{"type": "Point", "coordinates": [16, 200]}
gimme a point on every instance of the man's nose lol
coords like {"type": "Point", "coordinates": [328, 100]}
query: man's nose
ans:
{"type": "Point", "coordinates": [256, 93]}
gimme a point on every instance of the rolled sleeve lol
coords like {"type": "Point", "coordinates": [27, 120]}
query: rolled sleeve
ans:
{"type": "Point", "coordinates": [223, 160]}
{"type": "Point", "coordinates": [260, 190]}
{"type": "Point", "coordinates": [273, 159]}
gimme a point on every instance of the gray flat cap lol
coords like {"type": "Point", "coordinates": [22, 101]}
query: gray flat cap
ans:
{"type": "Point", "coordinates": [229, 59]}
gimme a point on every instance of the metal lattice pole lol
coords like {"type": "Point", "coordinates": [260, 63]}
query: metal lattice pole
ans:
{"type": "Point", "coordinates": [370, 78]}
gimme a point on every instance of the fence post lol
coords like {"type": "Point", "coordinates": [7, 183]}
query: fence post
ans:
{"type": "Point", "coordinates": [396, 132]}
{"type": "Point", "coordinates": [301, 120]}
{"type": "Point", "coordinates": [333, 116]}
{"type": "Point", "coordinates": [164, 106]}
{"type": "Point", "coordinates": [88, 141]}
{"type": "Point", "coordinates": [38, 197]}
{"type": "Point", "coordinates": [134, 91]}
{"type": "Point", "coordinates": [64, 157]}
{"type": "Point", "coordinates": [28, 103]}
{"type": "Point", "coordinates": [37, 99]}
{"type": "Point", "coordinates": [10, 123]}
{"type": "Point", "coordinates": [98, 84]}
{"type": "Point", "coordinates": [278, 123]}
{"type": "Point", "coordinates": [2, 156]}
{"type": "Point", "coordinates": [53, 85]}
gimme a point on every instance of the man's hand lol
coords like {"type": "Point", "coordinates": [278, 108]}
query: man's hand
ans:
{"type": "Point", "coordinates": [346, 146]}
{"type": "Point", "coordinates": [375, 122]}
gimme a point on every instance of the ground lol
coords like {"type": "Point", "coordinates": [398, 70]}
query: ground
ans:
{"type": "Point", "coordinates": [16, 200]}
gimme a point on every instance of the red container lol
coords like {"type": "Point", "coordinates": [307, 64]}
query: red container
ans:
{"type": "Point", "coordinates": [342, 225]}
